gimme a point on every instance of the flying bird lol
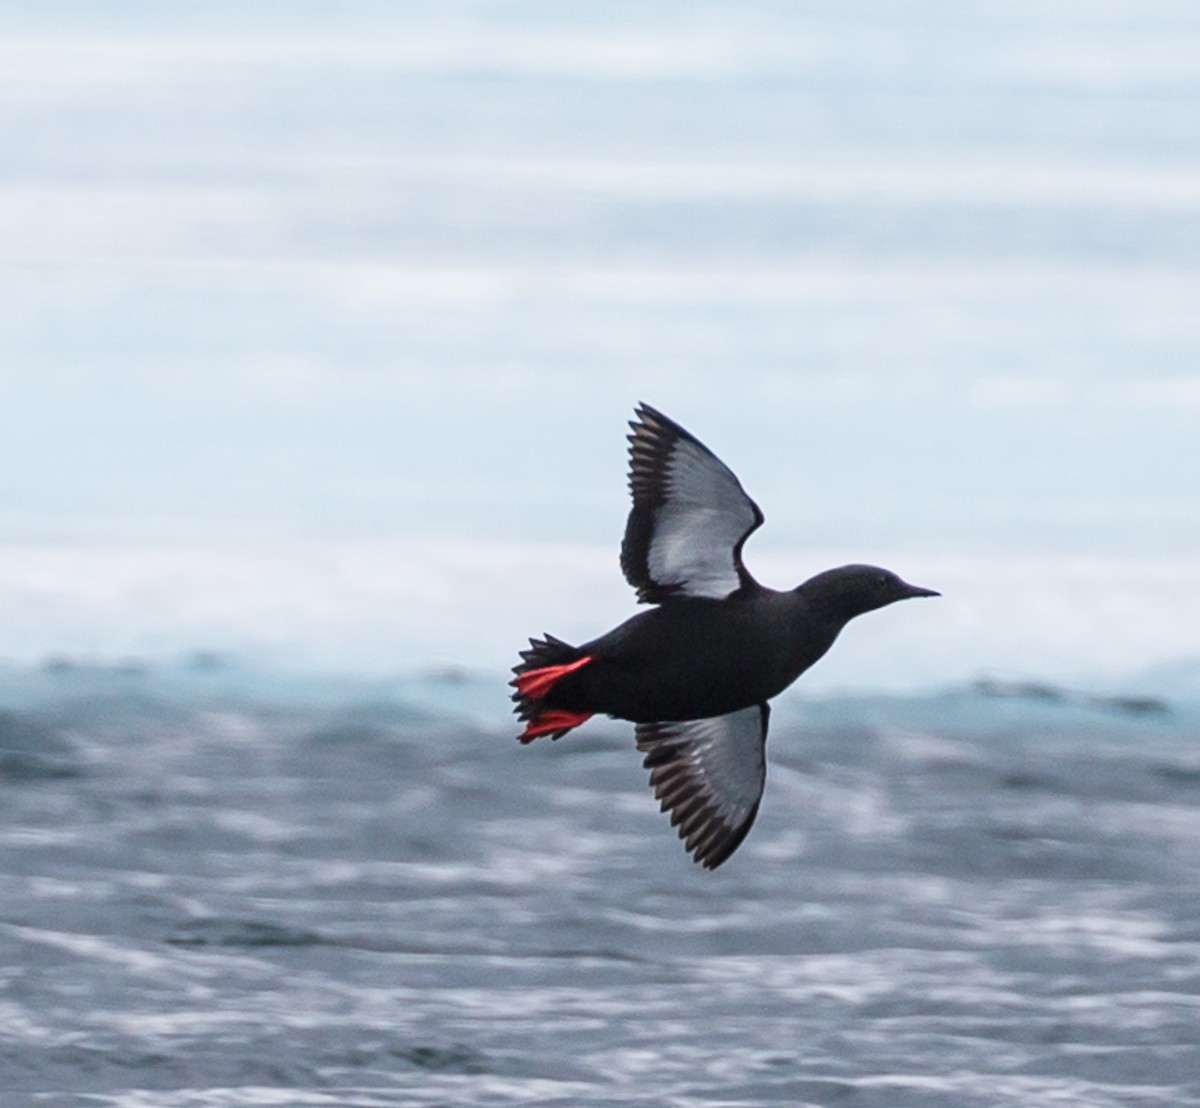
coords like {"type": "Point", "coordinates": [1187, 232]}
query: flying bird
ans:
{"type": "Point", "coordinates": [696, 671]}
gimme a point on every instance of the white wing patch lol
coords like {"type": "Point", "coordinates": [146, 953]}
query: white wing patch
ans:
{"type": "Point", "coordinates": [690, 516]}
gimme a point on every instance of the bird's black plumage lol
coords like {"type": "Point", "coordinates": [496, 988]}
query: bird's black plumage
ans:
{"type": "Point", "coordinates": [695, 672]}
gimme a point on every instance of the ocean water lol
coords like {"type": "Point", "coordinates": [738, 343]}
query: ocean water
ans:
{"type": "Point", "coordinates": [319, 327]}
{"type": "Point", "coordinates": [226, 887]}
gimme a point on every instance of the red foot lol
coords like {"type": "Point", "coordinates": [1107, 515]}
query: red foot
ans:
{"type": "Point", "coordinates": [552, 720]}
{"type": "Point", "coordinates": [535, 683]}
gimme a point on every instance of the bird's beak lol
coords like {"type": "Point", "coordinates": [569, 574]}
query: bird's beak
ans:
{"type": "Point", "coordinates": [916, 590]}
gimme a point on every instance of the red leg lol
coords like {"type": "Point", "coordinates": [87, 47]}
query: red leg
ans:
{"type": "Point", "coordinates": [535, 683]}
{"type": "Point", "coordinates": [553, 721]}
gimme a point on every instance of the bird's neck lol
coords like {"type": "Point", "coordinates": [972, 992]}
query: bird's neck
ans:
{"type": "Point", "coordinates": [813, 627]}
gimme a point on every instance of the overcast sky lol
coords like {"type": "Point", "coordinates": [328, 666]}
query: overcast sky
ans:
{"type": "Point", "coordinates": [290, 276]}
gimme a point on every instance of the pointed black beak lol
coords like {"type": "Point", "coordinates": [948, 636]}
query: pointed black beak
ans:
{"type": "Point", "coordinates": [916, 590]}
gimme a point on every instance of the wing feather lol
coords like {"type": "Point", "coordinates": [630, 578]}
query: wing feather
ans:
{"type": "Point", "coordinates": [690, 516]}
{"type": "Point", "coordinates": [709, 774]}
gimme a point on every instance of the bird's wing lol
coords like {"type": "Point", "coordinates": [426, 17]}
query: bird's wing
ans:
{"type": "Point", "coordinates": [709, 774]}
{"type": "Point", "coordinates": [690, 515]}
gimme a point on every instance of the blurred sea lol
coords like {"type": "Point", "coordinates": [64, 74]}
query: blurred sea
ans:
{"type": "Point", "coordinates": [224, 887]}
{"type": "Point", "coordinates": [319, 325]}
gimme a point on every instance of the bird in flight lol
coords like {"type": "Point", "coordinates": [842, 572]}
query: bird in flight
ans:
{"type": "Point", "coordinates": [696, 671]}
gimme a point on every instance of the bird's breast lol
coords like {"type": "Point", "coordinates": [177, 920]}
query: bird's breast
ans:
{"type": "Point", "coordinates": [694, 659]}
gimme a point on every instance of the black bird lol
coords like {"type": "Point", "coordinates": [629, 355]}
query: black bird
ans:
{"type": "Point", "coordinates": [695, 672]}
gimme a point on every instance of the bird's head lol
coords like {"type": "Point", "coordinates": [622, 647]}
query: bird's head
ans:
{"type": "Point", "coordinates": [848, 591]}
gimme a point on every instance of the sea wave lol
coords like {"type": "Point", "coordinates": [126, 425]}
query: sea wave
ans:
{"type": "Point", "coordinates": [239, 886]}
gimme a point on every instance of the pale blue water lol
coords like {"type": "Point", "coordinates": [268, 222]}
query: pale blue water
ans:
{"type": "Point", "coordinates": [319, 325]}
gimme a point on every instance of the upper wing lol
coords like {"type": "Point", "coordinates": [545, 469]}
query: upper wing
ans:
{"type": "Point", "coordinates": [690, 515]}
{"type": "Point", "coordinates": [709, 774]}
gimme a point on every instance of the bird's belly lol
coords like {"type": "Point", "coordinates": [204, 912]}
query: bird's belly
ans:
{"type": "Point", "coordinates": [692, 660]}
{"type": "Point", "coordinates": [684, 684]}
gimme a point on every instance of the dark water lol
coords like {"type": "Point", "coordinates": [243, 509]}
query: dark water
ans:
{"type": "Point", "coordinates": [221, 893]}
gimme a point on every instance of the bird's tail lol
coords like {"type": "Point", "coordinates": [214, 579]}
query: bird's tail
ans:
{"type": "Point", "coordinates": [542, 666]}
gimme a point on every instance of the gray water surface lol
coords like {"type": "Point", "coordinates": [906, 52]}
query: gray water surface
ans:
{"type": "Point", "coordinates": [354, 901]}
